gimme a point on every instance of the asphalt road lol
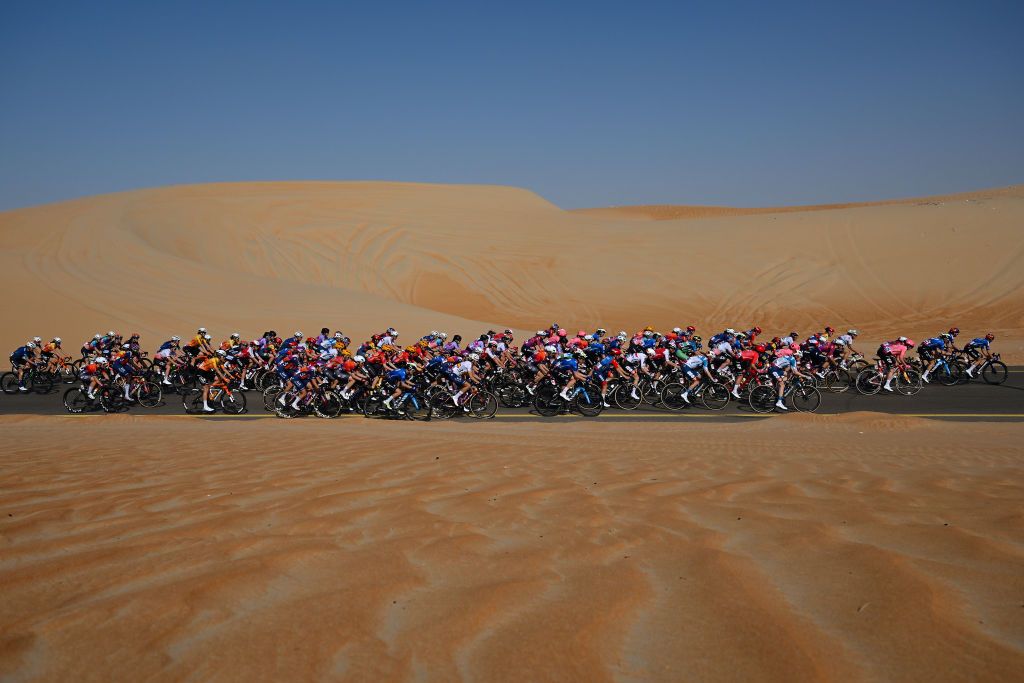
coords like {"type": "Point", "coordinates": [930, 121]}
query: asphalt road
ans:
{"type": "Point", "coordinates": [972, 402]}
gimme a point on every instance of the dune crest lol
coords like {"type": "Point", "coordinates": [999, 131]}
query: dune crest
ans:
{"type": "Point", "coordinates": [363, 255]}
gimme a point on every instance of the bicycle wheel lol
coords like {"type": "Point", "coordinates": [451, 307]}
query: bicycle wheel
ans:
{"type": "Point", "coordinates": [837, 380]}
{"type": "Point", "coordinates": [192, 401]}
{"type": "Point", "coordinates": [946, 374]}
{"type": "Point", "coordinates": [547, 402]}
{"type": "Point", "coordinates": [328, 406]}
{"type": "Point", "coordinates": [762, 398]}
{"type": "Point", "coordinates": [111, 399]}
{"type": "Point", "coordinates": [9, 383]}
{"type": "Point", "coordinates": [627, 397]}
{"type": "Point", "coordinates": [672, 396]}
{"type": "Point", "coordinates": [373, 405]}
{"type": "Point", "coordinates": [149, 394]}
{"type": "Point", "coordinates": [418, 408]}
{"type": "Point", "coordinates": [588, 401]}
{"type": "Point", "coordinates": [76, 400]}
{"type": "Point", "coordinates": [233, 404]}
{"type": "Point", "coordinates": [715, 396]}
{"type": "Point", "coordinates": [868, 382]}
{"type": "Point", "coordinates": [511, 395]}
{"type": "Point", "coordinates": [650, 390]}
{"type": "Point", "coordinates": [42, 382]}
{"type": "Point", "coordinates": [994, 372]}
{"type": "Point", "coordinates": [483, 405]}
{"type": "Point", "coordinates": [270, 397]}
{"type": "Point", "coordinates": [806, 399]}
{"type": "Point", "coordinates": [441, 405]}
{"type": "Point", "coordinates": [908, 382]}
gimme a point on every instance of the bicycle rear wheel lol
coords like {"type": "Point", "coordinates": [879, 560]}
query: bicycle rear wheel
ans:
{"type": "Point", "coordinates": [483, 405]}
{"type": "Point", "coordinates": [441, 405]}
{"type": "Point", "coordinates": [9, 383]}
{"type": "Point", "coordinates": [76, 401]}
{"type": "Point", "coordinates": [149, 394]}
{"type": "Point", "coordinates": [806, 399]}
{"type": "Point", "coordinates": [672, 396]}
{"type": "Point", "coordinates": [908, 382]}
{"type": "Point", "coordinates": [42, 382]}
{"type": "Point", "coordinates": [588, 401]}
{"type": "Point", "coordinates": [328, 406]}
{"type": "Point", "coordinates": [762, 398]}
{"type": "Point", "coordinates": [418, 408]}
{"type": "Point", "coordinates": [547, 402]}
{"type": "Point", "coordinates": [868, 382]}
{"type": "Point", "coordinates": [624, 397]}
{"type": "Point", "coordinates": [837, 380]}
{"type": "Point", "coordinates": [192, 401]}
{"type": "Point", "coordinates": [715, 396]}
{"type": "Point", "coordinates": [233, 404]}
{"type": "Point", "coordinates": [994, 372]}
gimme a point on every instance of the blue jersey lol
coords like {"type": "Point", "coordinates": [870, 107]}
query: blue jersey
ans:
{"type": "Point", "coordinates": [166, 345]}
{"type": "Point", "coordinates": [398, 375]}
{"type": "Point", "coordinates": [568, 364]}
{"type": "Point", "coordinates": [933, 343]}
{"type": "Point", "coordinates": [980, 343]}
{"type": "Point", "coordinates": [21, 353]}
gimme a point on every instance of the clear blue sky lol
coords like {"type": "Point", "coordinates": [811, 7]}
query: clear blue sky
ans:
{"type": "Point", "coordinates": [587, 103]}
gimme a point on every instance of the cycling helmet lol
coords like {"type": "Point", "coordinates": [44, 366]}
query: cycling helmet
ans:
{"type": "Point", "coordinates": [31, 345]}
{"type": "Point", "coordinates": [562, 332]}
{"type": "Point", "coordinates": [474, 356]}
{"type": "Point", "coordinates": [221, 352]}
{"type": "Point", "coordinates": [903, 339]}
{"type": "Point", "coordinates": [954, 331]}
{"type": "Point", "coordinates": [909, 343]}
{"type": "Point", "coordinates": [135, 335]}
{"type": "Point", "coordinates": [277, 340]}
{"type": "Point", "coordinates": [741, 335]}
{"type": "Point", "coordinates": [97, 336]}
{"type": "Point", "coordinates": [990, 336]}
{"type": "Point", "coordinates": [550, 348]}
{"type": "Point", "coordinates": [201, 330]}
{"type": "Point", "coordinates": [829, 329]}
{"type": "Point", "coordinates": [601, 330]}
{"type": "Point", "coordinates": [392, 331]}
{"type": "Point", "coordinates": [298, 334]}
{"type": "Point", "coordinates": [697, 338]}
{"type": "Point", "coordinates": [540, 333]}
{"type": "Point", "coordinates": [812, 341]}
{"type": "Point", "coordinates": [126, 347]}
{"type": "Point", "coordinates": [207, 337]}
{"type": "Point", "coordinates": [37, 340]}
{"type": "Point", "coordinates": [757, 330]}
{"type": "Point", "coordinates": [794, 347]}
{"type": "Point", "coordinates": [358, 359]}
{"type": "Point", "coordinates": [677, 330]}
{"type": "Point", "coordinates": [852, 333]}
{"type": "Point", "coordinates": [101, 360]}
{"type": "Point", "coordinates": [56, 340]}
{"type": "Point", "coordinates": [729, 330]}
{"type": "Point", "coordinates": [760, 348]}
{"type": "Point", "coordinates": [650, 352]}
{"type": "Point", "coordinates": [946, 336]}
{"type": "Point", "coordinates": [235, 335]}
{"type": "Point", "coordinates": [691, 328]}
{"type": "Point", "coordinates": [111, 333]}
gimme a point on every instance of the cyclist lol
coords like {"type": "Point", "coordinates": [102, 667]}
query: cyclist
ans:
{"type": "Point", "coordinates": [979, 350]}
{"type": "Point", "coordinates": [210, 370]}
{"type": "Point", "coordinates": [783, 366]}
{"type": "Point", "coordinates": [166, 356]}
{"type": "Point", "coordinates": [893, 355]}
{"type": "Point", "coordinates": [92, 375]}
{"type": "Point", "coordinates": [23, 358]}
{"type": "Point", "coordinates": [694, 367]}
{"type": "Point", "coordinates": [930, 350]}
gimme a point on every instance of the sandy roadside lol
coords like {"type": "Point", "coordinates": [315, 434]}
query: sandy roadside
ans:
{"type": "Point", "coordinates": [852, 547]}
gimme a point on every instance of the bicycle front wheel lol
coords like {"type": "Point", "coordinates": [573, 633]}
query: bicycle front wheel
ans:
{"type": "Point", "coordinates": [149, 394]}
{"type": "Point", "coordinates": [483, 405]}
{"type": "Point", "coordinates": [715, 396]}
{"type": "Point", "coordinates": [908, 382]}
{"type": "Point", "coordinates": [588, 401]}
{"type": "Point", "coordinates": [994, 372]}
{"type": "Point", "coordinates": [76, 401]}
{"type": "Point", "coordinates": [234, 403]}
{"type": "Point", "coordinates": [762, 398]}
{"type": "Point", "coordinates": [806, 399]}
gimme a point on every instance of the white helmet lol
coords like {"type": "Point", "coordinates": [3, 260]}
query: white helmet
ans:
{"type": "Point", "coordinates": [852, 333]}
{"type": "Point", "coordinates": [56, 340]}
{"type": "Point", "coordinates": [221, 352]}
{"type": "Point", "coordinates": [903, 339]}
{"type": "Point", "coordinates": [201, 330]}
{"type": "Point", "coordinates": [359, 359]}
{"type": "Point", "coordinates": [622, 333]}
{"type": "Point", "coordinates": [540, 333]}
{"type": "Point", "coordinates": [433, 333]}
{"type": "Point", "coordinates": [235, 335]}
{"type": "Point", "coordinates": [677, 330]}
{"type": "Point", "coordinates": [338, 335]}
{"type": "Point", "coordinates": [101, 360]}
{"type": "Point", "coordinates": [297, 334]}
{"type": "Point", "coordinates": [37, 339]}
{"type": "Point", "coordinates": [175, 338]}
{"type": "Point", "coordinates": [111, 333]}
{"type": "Point", "coordinates": [474, 356]}
{"type": "Point", "coordinates": [550, 348]}
{"type": "Point", "coordinates": [207, 337]}
{"type": "Point", "coordinates": [444, 335]}
{"type": "Point", "coordinates": [97, 336]}
{"type": "Point", "coordinates": [31, 345]}
{"type": "Point", "coordinates": [650, 352]}
{"type": "Point", "coordinates": [730, 331]}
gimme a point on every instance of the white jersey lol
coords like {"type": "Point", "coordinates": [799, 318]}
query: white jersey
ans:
{"type": "Point", "coordinates": [846, 339]}
{"type": "Point", "coordinates": [462, 368]}
{"type": "Point", "coordinates": [723, 348]}
{"type": "Point", "coordinates": [694, 362]}
{"type": "Point", "coordinates": [786, 341]}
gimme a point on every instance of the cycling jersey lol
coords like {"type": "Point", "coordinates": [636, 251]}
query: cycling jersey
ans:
{"type": "Point", "coordinates": [568, 364]}
{"type": "Point", "coordinates": [979, 343]}
{"type": "Point", "coordinates": [22, 353]}
{"type": "Point", "coordinates": [210, 364]}
{"type": "Point", "coordinates": [398, 375]}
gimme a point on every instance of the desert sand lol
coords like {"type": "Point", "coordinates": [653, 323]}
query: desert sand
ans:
{"type": "Point", "coordinates": [860, 547]}
{"type": "Point", "coordinates": [360, 256]}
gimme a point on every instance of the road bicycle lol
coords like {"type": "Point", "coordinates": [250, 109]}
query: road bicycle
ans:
{"type": "Point", "coordinates": [799, 392]}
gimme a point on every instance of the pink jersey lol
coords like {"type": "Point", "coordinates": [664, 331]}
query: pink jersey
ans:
{"type": "Point", "coordinates": [898, 350]}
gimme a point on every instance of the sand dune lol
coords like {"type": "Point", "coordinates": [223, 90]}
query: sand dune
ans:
{"type": "Point", "coordinates": [864, 547]}
{"type": "Point", "coordinates": [361, 256]}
